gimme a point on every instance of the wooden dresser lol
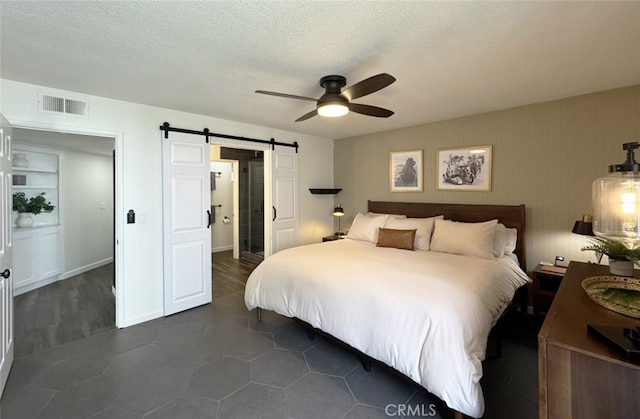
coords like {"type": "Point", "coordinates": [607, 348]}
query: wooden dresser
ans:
{"type": "Point", "coordinates": [579, 375]}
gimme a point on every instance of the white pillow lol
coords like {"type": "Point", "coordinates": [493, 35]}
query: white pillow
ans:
{"type": "Point", "coordinates": [511, 239]}
{"type": "Point", "coordinates": [468, 239]}
{"type": "Point", "coordinates": [499, 240]}
{"type": "Point", "coordinates": [375, 214]}
{"type": "Point", "coordinates": [366, 227]}
{"type": "Point", "coordinates": [423, 227]}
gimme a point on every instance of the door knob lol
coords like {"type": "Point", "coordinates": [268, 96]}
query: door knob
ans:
{"type": "Point", "coordinates": [6, 273]}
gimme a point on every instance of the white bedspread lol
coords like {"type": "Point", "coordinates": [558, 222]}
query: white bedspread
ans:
{"type": "Point", "coordinates": [424, 313]}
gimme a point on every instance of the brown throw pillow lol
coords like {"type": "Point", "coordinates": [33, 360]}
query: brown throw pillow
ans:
{"type": "Point", "coordinates": [399, 239]}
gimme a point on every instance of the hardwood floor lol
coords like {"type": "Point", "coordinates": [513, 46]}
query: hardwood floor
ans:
{"type": "Point", "coordinates": [84, 305]}
{"type": "Point", "coordinates": [64, 311]}
{"type": "Point", "coordinates": [229, 275]}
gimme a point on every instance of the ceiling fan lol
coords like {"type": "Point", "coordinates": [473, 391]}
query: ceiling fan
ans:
{"type": "Point", "coordinates": [336, 103]}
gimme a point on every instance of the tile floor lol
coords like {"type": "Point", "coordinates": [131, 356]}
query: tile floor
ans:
{"type": "Point", "coordinates": [217, 361]}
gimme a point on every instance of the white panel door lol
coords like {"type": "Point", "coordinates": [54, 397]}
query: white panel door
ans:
{"type": "Point", "coordinates": [6, 244]}
{"type": "Point", "coordinates": [284, 197]}
{"type": "Point", "coordinates": [187, 235]}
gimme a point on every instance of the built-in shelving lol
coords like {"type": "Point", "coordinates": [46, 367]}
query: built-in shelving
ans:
{"type": "Point", "coordinates": [40, 176]}
{"type": "Point", "coordinates": [38, 250]}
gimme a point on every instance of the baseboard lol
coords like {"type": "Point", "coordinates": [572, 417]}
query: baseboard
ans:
{"type": "Point", "coordinates": [60, 277]}
{"type": "Point", "coordinates": [36, 285]}
{"type": "Point", "coordinates": [86, 268]}
{"type": "Point", "coordinates": [221, 249]}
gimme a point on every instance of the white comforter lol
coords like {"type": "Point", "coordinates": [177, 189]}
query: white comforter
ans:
{"type": "Point", "coordinates": [424, 313]}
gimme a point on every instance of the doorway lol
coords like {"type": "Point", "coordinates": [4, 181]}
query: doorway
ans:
{"type": "Point", "coordinates": [247, 194]}
{"type": "Point", "coordinates": [238, 215]}
{"type": "Point", "coordinates": [85, 201]}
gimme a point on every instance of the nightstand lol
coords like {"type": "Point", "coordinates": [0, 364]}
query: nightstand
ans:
{"type": "Point", "coordinates": [545, 285]}
{"type": "Point", "coordinates": [332, 238]}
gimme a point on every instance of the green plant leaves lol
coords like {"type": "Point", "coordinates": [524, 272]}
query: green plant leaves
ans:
{"type": "Point", "coordinates": [34, 205]}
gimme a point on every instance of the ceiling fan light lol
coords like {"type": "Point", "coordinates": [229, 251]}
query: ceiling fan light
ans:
{"type": "Point", "coordinates": [333, 109]}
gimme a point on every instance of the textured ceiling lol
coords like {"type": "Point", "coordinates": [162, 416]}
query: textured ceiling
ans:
{"type": "Point", "coordinates": [450, 58]}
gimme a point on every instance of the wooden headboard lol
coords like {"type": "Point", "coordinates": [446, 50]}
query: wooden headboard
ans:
{"type": "Point", "coordinates": [512, 216]}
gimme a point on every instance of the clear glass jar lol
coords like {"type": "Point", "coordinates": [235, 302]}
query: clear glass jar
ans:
{"type": "Point", "coordinates": [616, 206]}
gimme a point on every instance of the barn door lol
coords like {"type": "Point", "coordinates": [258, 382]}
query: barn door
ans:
{"type": "Point", "coordinates": [187, 234]}
{"type": "Point", "coordinates": [284, 198]}
{"type": "Point", "coordinates": [6, 262]}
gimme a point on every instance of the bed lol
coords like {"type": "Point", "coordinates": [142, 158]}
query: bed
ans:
{"type": "Point", "coordinates": [425, 313]}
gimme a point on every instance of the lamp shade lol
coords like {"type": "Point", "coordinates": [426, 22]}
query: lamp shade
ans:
{"type": "Point", "coordinates": [582, 227]}
{"type": "Point", "coordinates": [338, 211]}
{"type": "Point", "coordinates": [616, 201]}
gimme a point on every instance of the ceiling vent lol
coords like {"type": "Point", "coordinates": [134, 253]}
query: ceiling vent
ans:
{"type": "Point", "coordinates": [62, 105]}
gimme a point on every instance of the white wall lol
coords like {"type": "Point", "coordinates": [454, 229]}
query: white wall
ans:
{"type": "Point", "coordinates": [222, 234]}
{"type": "Point", "coordinates": [140, 176]}
{"type": "Point", "coordinates": [88, 228]}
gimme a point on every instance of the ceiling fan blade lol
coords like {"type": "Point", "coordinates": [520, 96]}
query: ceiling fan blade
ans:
{"type": "Point", "coordinates": [368, 86]}
{"type": "Point", "coordinates": [370, 110]}
{"type": "Point", "coordinates": [307, 116]}
{"type": "Point", "coordinates": [265, 92]}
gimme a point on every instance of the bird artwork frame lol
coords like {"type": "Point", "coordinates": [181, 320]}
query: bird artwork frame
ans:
{"type": "Point", "coordinates": [406, 171]}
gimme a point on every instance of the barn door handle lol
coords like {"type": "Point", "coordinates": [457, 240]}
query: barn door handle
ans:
{"type": "Point", "coordinates": [275, 213]}
{"type": "Point", "coordinates": [6, 273]}
{"type": "Point", "coordinates": [208, 218]}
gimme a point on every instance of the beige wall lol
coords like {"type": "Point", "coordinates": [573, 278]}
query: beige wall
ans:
{"type": "Point", "coordinates": [544, 156]}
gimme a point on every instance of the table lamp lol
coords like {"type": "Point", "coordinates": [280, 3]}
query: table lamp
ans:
{"type": "Point", "coordinates": [584, 227]}
{"type": "Point", "coordinates": [338, 212]}
{"type": "Point", "coordinates": [616, 201]}
{"type": "Point", "coordinates": [616, 204]}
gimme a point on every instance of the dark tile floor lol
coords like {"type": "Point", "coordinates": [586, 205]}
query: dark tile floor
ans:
{"type": "Point", "coordinates": [217, 361]}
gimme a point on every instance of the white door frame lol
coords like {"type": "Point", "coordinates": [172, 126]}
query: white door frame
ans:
{"type": "Point", "coordinates": [118, 185]}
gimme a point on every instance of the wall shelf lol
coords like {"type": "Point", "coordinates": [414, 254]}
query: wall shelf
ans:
{"type": "Point", "coordinates": [324, 191]}
{"type": "Point", "coordinates": [27, 169]}
{"type": "Point", "coordinates": [33, 187]}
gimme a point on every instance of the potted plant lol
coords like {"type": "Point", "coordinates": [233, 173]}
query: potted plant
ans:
{"type": "Point", "coordinates": [34, 205]}
{"type": "Point", "coordinates": [621, 257]}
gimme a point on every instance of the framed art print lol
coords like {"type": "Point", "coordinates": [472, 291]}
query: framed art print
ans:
{"type": "Point", "coordinates": [406, 171]}
{"type": "Point", "coordinates": [464, 168]}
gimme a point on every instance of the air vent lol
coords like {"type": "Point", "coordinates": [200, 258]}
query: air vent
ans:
{"type": "Point", "coordinates": [62, 105]}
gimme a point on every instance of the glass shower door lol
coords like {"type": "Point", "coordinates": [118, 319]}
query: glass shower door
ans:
{"type": "Point", "coordinates": [256, 207]}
